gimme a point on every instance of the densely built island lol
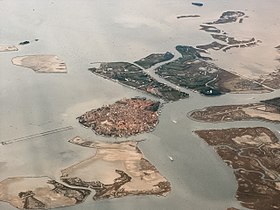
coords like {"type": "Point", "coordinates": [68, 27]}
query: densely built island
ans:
{"type": "Point", "coordinates": [124, 118]}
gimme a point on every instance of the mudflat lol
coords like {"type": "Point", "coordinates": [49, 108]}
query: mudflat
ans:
{"type": "Point", "coordinates": [41, 63]}
{"type": "Point", "coordinates": [7, 48]}
{"type": "Point", "coordinates": [253, 154]}
{"type": "Point", "coordinates": [116, 170]}
{"type": "Point", "coordinates": [268, 110]}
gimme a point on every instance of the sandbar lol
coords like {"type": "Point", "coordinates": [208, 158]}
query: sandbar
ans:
{"type": "Point", "coordinates": [116, 170]}
{"type": "Point", "coordinates": [8, 48]}
{"type": "Point", "coordinates": [41, 63]}
{"type": "Point", "coordinates": [264, 110]}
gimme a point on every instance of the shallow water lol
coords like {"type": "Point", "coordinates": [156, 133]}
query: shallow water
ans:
{"type": "Point", "coordinates": [81, 32]}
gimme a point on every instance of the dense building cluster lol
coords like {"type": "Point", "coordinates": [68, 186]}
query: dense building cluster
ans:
{"type": "Point", "coordinates": [124, 118]}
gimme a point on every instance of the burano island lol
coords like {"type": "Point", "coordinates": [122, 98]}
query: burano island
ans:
{"type": "Point", "coordinates": [121, 105]}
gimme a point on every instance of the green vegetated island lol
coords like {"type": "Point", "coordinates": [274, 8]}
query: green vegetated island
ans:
{"type": "Point", "coordinates": [268, 110]}
{"type": "Point", "coordinates": [153, 59]}
{"type": "Point", "coordinates": [253, 154]}
{"type": "Point", "coordinates": [229, 17]}
{"type": "Point", "coordinates": [116, 170]}
{"type": "Point", "coordinates": [192, 70]}
{"type": "Point", "coordinates": [133, 76]}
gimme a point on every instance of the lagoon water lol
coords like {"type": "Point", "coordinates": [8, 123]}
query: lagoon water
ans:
{"type": "Point", "coordinates": [81, 32]}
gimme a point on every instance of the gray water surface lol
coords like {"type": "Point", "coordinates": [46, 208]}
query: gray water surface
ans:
{"type": "Point", "coordinates": [81, 32]}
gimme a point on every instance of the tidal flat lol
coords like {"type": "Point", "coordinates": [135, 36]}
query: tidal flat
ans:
{"type": "Point", "coordinates": [253, 153]}
{"type": "Point", "coordinates": [268, 110]}
{"type": "Point", "coordinates": [41, 63]}
{"type": "Point", "coordinates": [8, 48]}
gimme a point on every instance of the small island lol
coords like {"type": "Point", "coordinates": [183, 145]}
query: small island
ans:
{"type": "Point", "coordinates": [123, 118]}
{"type": "Point", "coordinates": [228, 43]}
{"type": "Point", "coordinates": [187, 16]}
{"type": "Point", "coordinates": [116, 170]}
{"type": "Point", "coordinates": [253, 154]}
{"type": "Point", "coordinates": [24, 42]}
{"type": "Point", "coordinates": [153, 59]}
{"type": "Point", "coordinates": [229, 17]}
{"type": "Point", "coordinates": [268, 110]}
{"type": "Point", "coordinates": [41, 63]}
{"type": "Point", "coordinates": [8, 48]}
{"type": "Point", "coordinates": [209, 28]}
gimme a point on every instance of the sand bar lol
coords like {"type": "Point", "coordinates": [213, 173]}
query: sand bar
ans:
{"type": "Point", "coordinates": [41, 63]}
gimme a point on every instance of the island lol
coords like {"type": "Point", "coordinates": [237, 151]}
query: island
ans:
{"type": "Point", "coordinates": [41, 63]}
{"type": "Point", "coordinates": [8, 48]}
{"type": "Point", "coordinates": [209, 28]}
{"type": "Point", "coordinates": [253, 154]}
{"type": "Point", "coordinates": [187, 16]}
{"type": "Point", "coordinates": [267, 110]}
{"type": "Point", "coordinates": [124, 118]}
{"type": "Point", "coordinates": [229, 17]}
{"type": "Point", "coordinates": [116, 170]}
{"type": "Point", "coordinates": [153, 59]}
{"type": "Point", "coordinates": [228, 43]}
{"type": "Point", "coordinates": [194, 71]}
{"type": "Point", "coordinates": [222, 40]}
{"type": "Point", "coordinates": [24, 42]}
{"type": "Point", "coordinates": [133, 76]}
{"type": "Point", "coordinates": [39, 193]}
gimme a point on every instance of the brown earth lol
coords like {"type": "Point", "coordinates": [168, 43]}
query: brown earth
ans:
{"type": "Point", "coordinates": [116, 170]}
{"type": "Point", "coordinates": [123, 118]}
{"type": "Point", "coordinates": [256, 111]}
{"type": "Point", "coordinates": [254, 155]}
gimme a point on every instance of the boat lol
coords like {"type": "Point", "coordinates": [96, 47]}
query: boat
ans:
{"type": "Point", "coordinates": [197, 4]}
{"type": "Point", "coordinates": [171, 158]}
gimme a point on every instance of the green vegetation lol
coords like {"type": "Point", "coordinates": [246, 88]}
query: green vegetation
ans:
{"type": "Point", "coordinates": [133, 76]}
{"type": "Point", "coordinates": [153, 59]}
{"type": "Point", "coordinates": [196, 72]}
